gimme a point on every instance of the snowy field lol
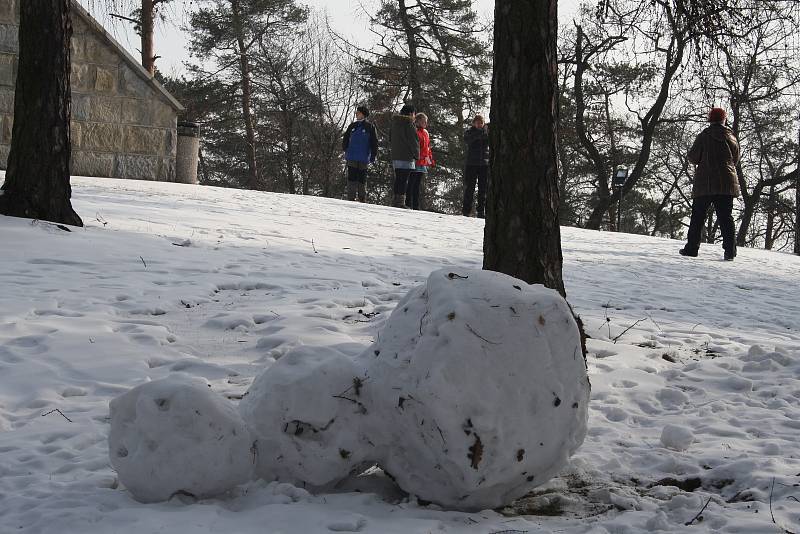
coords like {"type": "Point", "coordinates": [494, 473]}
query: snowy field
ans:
{"type": "Point", "coordinates": [694, 362]}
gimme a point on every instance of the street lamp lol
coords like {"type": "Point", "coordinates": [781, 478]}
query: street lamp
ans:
{"type": "Point", "coordinates": [618, 182]}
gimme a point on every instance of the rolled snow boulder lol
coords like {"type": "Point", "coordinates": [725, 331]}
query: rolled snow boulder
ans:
{"type": "Point", "coordinates": [477, 389]}
{"type": "Point", "coordinates": [305, 413]}
{"type": "Point", "coordinates": [677, 437]}
{"type": "Point", "coordinates": [176, 436]}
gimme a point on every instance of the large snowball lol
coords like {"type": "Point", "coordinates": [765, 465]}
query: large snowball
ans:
{"type": "Point", "coordinates": [477, 388]}
{"type": "Point", "coordinates": [306, 411]}
{"type": "Point", "coordinates": [175, 436]}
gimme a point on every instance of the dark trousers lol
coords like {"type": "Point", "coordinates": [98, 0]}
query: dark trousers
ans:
{"type": "Point", "coordinates": [473, 173]}
{"type": "Point", "coordinates": [412, 189]}
{"type": "Point", "coordinates": [401, 180]}
{"type": "Point", "coordinates": [723, 205]}
{"type": "Point", "coordinates": [356, 183]}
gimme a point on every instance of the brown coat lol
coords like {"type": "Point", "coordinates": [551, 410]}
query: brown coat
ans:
{"type": "Point", "coordinates": [404, 143]}
{"type": "Point", "coordinates": [716, 153]}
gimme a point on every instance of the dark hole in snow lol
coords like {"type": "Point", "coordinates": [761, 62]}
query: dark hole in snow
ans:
{"type": "Point", "coordinates": [345, 454]}
{"type": "Point", "coordinates": [451, 316]}
{"type": "Point", "coordinates": [520, 455]}
{"type": "Point", "coordinates": [541, 320]}
{"type": "Point", "coordinates": [575, 405]}
{"type": "Point", "coordinates": [518, 288]}
{"type": "Point", "coordinates": [451, 276]}
{"type": "Point", "coordinates": [541, 444]}
{"type": "Point", "coordinates": [669, 358]}
{"type": "Point", "coordinates": [557, 402]}
{"type": "Point", "coordinates": [400, 402]}
{"type": "Point", "coordinates": [122, 452]}
{"type": "Point", "coordinates": [163, 404]}
{"type": "Point", "coordinates": [475, 454]}
{"type": "Point", "coordinates": [530, 478]}
{"type": "Point", "coordinates": [688, 485]}
{"type": "Point", "coordinates": [377, 353]}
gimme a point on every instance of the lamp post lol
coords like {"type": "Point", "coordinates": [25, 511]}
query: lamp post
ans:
{"type": "Point", "coordinates": [618, 182]}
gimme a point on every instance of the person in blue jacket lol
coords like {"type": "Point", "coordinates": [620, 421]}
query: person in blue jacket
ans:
{"type": "Point", "coordinates": [360, 146]}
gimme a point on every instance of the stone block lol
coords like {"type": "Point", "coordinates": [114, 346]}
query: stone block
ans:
{"type": "Point", "coordinates": [130, 84]}
{"type": "Point", "coordinates": [92, 164]}
{"type": "Point", "coordinates": [101, 137]}
{"type": "Point", "coordinates": [4, 150]}
{"type": "Point", "coordinates": [104, 109]}
{"type": "Point", "coordinates": [136, 111]}
{"type": "Point", "coordinates": [81, 106]}
{"type": "Point", "coordinates": [7, 12]}
{"type": "Point", "coordinates": [136, 167]}
{"type": "Point", "coordinates": [8, 128]}
{"type": "Point", "coordinates": [105, 80]}
{"type": "Point", "coordinates": [170, 142]}
{"type": "Point", "coordinates": [142, 140]}
{"type": "Point", "coordinates": [75, 134]}
{"type": "Point", "coordinates": [76, 49]}
{"type": "Point", "coordinates": [82, 77]}
{"type": "Point", "coordinates": [8, 70]}
{"type": "Point", "coordinates": [9, 38]}
{"type": "Point", "coordinates": [166, 171]}
{"type": "Point", "coordinates": [6, 100]}
{"type": "Point", "coordinates": [163, 114]}
{"type": "Point", "coordinates": [98, 51]}
{"type": "Point", "coordinates": [79, 26]}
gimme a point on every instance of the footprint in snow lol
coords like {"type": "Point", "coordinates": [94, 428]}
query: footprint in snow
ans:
{"type": "Point", "coordinates": [355, 524]}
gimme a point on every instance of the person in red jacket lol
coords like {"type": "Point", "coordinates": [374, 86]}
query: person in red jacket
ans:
{"type": "Point", "coordinates": [425, 160]}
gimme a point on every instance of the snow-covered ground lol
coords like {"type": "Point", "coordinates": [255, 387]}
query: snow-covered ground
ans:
{"type": "Point", "coordinates": [695, 363]}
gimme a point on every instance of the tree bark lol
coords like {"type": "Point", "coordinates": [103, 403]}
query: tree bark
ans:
{"type": "Point", "coordinates": [148, 25]}
{"type": "Point", "coordinates": [253, 181]}
{"type": "Point", "coordinates": [413, 60]}
{"type": "Point", "coordinates": [522, 235]}
{"type": "Point", "coordinates": [797, 200]}
{"type": "Point", "coordinates": [37, 184]}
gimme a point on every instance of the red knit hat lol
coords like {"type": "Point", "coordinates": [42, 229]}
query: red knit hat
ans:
{"type": "Point", "coordinates": [717, 115]}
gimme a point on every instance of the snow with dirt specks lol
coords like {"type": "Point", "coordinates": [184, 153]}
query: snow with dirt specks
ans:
{"type": "Point", "coordinates": [220, 284]}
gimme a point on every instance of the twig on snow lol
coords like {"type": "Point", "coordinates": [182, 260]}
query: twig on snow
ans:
{"type": "Point", "coordinates": [699, 514]}
{"type": "Point", "coordinates": [480, 336]}
{"type": "Point", "coordinates": [313, 247]}
{"type": "Point", "coordinates": [631, 326]}
{"type": "Point", "coordinates": [60, 412]}
{"type": "Point", "coordinates": [143, 262]}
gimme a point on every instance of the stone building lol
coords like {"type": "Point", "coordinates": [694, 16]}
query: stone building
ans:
{"type": "Point", "coordinates": [124, 123]}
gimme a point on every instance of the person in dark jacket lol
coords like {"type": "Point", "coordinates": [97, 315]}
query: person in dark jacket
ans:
{"type": "Point", "coordinates": [476, 167]}
{"type": "Point", "coordinates": [404, 150]}
{"type": "Point", "coordinates": [360, 145]}
{"type": "Point", "coordinates": [425, 160]}
{"type": "Point", "coordinates": [715, 153]}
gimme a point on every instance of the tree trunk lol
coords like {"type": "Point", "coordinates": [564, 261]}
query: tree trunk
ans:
{"type": "Point", "coordinates": [522, 236]}
{"type": "Point", "coordinates": [769, 232]}
{"type": "Point", "coordinates": [648, 124]}
{"type": "Point", "coordinates": [413, 60]}
{"type": "Point", "coordinates": [253, 181]}
{"type": "Point", "coordinates": [797, 201]}
{"type": "Point", "coordinates": [148, 54]}
{"type": "Point", "coordinates": [37, 182]}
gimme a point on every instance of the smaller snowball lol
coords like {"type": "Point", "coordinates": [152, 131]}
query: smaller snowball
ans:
{"type": "Point", "coordinates": [176, 436]}
{"type": "Point", "coordinates": [677, 437]}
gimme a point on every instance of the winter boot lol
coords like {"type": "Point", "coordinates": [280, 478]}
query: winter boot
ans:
{"type": "Point", "coordinates": [399, 201]}
{"type": "Point", "coordinates": [351, 189]}
{"type": "Point", "coordinates": [686, 252]}
{"type": "Point", "coordinates": [362, 192]}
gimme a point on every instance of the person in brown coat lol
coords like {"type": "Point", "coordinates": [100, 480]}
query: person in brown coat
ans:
{"type": "Point", "coordinates": [715, 154]}
{"type": "Point", "coordinates": [404, 151]}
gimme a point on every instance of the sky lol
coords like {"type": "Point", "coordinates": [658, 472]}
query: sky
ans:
{"type": "Point", "coordinates": [172, 43]}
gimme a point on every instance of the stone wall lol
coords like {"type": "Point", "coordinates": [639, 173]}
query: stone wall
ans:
{"type": "Point", "coordinates": [123, 122]}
